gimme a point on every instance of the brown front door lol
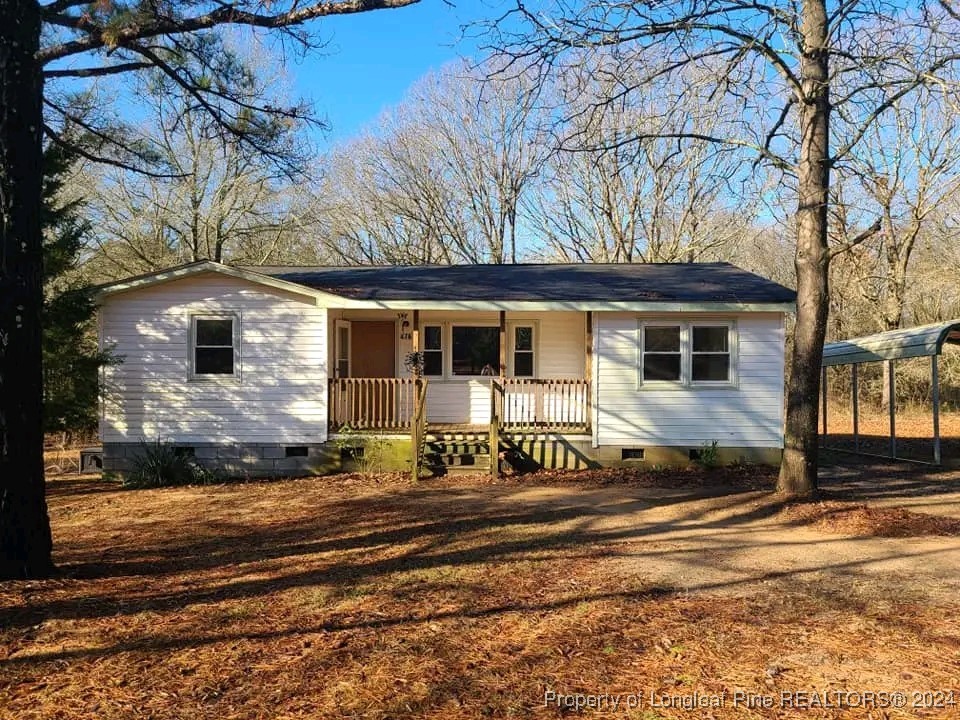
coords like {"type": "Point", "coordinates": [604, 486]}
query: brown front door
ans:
{"type": "Point", "coordinates": [374, 349]}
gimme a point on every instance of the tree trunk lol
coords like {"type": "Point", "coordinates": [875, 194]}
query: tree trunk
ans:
{"type": "Point", "coordinates": [798, 472]}
{"type": "Point", "coordinates": [25, 543]}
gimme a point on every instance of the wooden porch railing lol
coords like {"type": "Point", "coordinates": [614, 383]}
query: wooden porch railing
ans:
{"type": "Point", "coordinates": [372, 403]}
{"type": "Point", "coordinates": [541, 404]}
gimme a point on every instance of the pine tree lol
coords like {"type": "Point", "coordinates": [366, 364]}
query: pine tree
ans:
{"type": "Point", "coordinates": [71, 359]}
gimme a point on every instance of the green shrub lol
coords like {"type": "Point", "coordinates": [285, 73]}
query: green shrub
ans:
{"type": "Point", "coordinates": [163, 465]}
{"type": "Point", "coordinates": [366, 452]}
{"type": "Point", "coordinates": [709, 456]}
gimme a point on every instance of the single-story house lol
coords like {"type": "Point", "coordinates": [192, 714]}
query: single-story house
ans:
{"type": "Point", "coordinates": [287, 370]}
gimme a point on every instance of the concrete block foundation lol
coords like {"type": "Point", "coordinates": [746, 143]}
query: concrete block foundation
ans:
{"type": "Point", "coordinates": [370, 453]}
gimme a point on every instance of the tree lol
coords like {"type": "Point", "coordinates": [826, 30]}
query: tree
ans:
{"type": "Point", "coordinates": [905, 173]}
{"type": "Point", "coordinates": [811, 79]}
{"type": "Point", "coordinates": [658, 200]}
{"type": "Point", "coordinates": [74, 41]}
{"type": "Point", "coordinates": [220, 202]}
{"type": "Point", "coordinates": [442, 177]}
{"type": "Point", "coordinates": [71, 359]}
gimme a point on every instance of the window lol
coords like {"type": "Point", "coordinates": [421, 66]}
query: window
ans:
{"type": "Point", "coordinates": [523, 351]}
{"type": "Point", "coordinates": [476, 350]}
{"type": "Point", "coordinates": [662, 355]}
{"type": "Point", "coordinates": [433, 350]}
{"type": "Point", "coordinates": [710, 353]}
{"type": "Point", "coordinates": [688, 353]}
{"type": "Point", "coordinates": [214, 346]}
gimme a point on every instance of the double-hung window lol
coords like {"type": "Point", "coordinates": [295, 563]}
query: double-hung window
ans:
{"type": "Point", "coordinates": [687, 353]}
{"type": "Point", "coordinates": [214, 340]}
{"type": "Point", "coordinates": [523, 365]}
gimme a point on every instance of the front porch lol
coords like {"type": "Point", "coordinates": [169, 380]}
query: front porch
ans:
{"type": "Point", "coordinates": [529, 370]}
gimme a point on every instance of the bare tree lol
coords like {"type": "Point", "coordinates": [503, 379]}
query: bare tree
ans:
{"type": "Point", "coordinates": [221, 201]}
{"type": "Point", "coordinates": [441, 177]}
{"type": "Point", "coordinates": [657, 200]}
{"type": "Point", "coordinates": [905, 172]}
{"type": "Point", "coordinates": [76, 41]}
{"type": "Point", "coordinates": [811, 78]}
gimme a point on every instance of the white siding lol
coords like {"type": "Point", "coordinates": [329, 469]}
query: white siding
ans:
{"type": "Point", "coordinates": [280, 395]}
{"type": "Point", "coordinates": [560, 353]}
{"type": "Point", "coordinates": [749, 414]}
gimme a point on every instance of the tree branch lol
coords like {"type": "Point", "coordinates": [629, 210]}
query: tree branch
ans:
{"type": "Point", "coordinates": [97, 71]}
{"type": "Point", "coordinates": [55, 137]}
{"type": "Point", "coordinates": [223, 15]}
{"type": "Point", "coordinates": [856, 240]}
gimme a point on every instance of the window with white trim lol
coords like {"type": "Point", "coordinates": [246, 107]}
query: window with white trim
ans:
{"type": "Point", "coordinates": [687, 353]}
{"type": "Point", "coordinates": [433, 350]}
{"type": "Point", "coordinates": [523, 353]}
{"type": "Point", "coordinates": [214, 345]}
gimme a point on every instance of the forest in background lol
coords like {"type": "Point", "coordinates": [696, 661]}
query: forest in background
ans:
{"type": "Point", "coordinates": [484, 164]}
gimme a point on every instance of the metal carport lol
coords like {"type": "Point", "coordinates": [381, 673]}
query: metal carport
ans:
{"type": "Point", "coordinates": [890, 346]}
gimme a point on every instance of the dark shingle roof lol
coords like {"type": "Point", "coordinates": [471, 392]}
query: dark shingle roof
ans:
{"type": "Point", "coordinates": [666, 282]}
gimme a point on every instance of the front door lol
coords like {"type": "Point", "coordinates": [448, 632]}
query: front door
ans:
{"type": "Point", "coordinates": [374, 349]}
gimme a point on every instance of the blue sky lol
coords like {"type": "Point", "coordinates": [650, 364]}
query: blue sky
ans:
{"type": "Point", "coordinates": [372, 58]}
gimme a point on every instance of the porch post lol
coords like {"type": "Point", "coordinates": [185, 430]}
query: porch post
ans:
{"type": "Point", "coordinates": [415, 420]}
{"type": "Point", "coordinates": [588, 369]}
{"type": "Point", "coordinates": [416, 331]}
{"type": "Point", "coordinates": [503, 343]}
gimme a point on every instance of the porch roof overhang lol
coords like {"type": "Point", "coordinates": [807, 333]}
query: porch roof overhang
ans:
{"type": "Point", "coordinates": [920, 341]}
{"type": "Point", "coordinates": [579, 306]}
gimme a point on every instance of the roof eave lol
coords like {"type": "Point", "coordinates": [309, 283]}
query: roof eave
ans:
{"type": "Point", "coordinates": [647, 306]}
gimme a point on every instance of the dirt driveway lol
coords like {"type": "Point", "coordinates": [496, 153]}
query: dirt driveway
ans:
{"type": "Point", "coordinates": [376, 598]}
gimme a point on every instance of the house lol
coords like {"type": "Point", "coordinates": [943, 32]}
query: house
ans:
{"type": "Point", "coordinates": [292, 370]}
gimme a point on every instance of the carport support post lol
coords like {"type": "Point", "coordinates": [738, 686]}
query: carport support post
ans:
{"type": "Point", "coordinates": [855, 389]}
{"type": "Point", "coordinates": [823, 395]}
{"type": "Point", "coordinates": [892, 402]}
{"type": "Point", "coordinates": [935, 380]}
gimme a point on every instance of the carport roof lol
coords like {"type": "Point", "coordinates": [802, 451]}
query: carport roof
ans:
{"type": "Point", "coordinates": [920, 341]}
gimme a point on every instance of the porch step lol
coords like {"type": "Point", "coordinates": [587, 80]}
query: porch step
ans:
{"type": "Point", "coordinates": [454, 451]}
{"type": "Point", "coordinates": [476, 460]}
{"type": "Point", "coordinates": [456, 437]}
{"type": "Point", "coordinates": [454, 447]}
